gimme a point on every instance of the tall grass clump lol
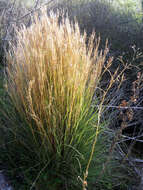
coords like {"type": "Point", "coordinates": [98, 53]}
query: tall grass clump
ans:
{"type": "Point", "coordinates": [51, 78]}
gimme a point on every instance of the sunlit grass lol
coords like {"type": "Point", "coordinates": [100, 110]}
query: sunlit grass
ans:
{"type": "Point", "coordinates": [51, 79]}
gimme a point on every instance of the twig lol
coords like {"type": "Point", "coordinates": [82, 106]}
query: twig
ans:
{"type": "Point", "coordinates": [32, 11]}
{"type": "Point", "coordinates": [36, 4]}
{"type": "Point", "coordinates": [120, 107]}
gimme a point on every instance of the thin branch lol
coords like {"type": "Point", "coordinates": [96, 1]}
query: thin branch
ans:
{"type": "Point", "coordinates": [36, 4]}
{"type": "Point", "coordinates": [120, 107]}
{"type": "Point", "coordinates": [32, 11]}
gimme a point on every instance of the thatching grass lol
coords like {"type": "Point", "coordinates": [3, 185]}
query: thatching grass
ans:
{"type": "Point", "coordinates": [52, 75]}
